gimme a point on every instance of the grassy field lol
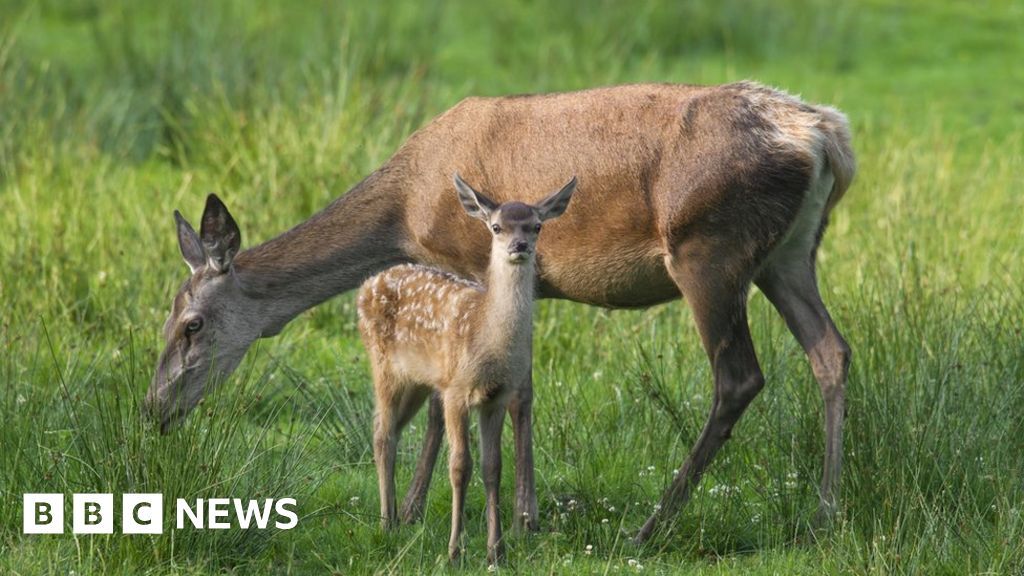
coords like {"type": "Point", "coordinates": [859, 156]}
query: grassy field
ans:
{"type": "Point", "coordinates": [114, 113]}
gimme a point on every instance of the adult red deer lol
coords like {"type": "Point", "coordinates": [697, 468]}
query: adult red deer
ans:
{"type": "Point", "coordinates": [688, 191]}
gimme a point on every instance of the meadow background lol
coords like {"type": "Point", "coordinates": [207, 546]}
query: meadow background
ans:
{"type": "Point", "coordinates": [112, 114]}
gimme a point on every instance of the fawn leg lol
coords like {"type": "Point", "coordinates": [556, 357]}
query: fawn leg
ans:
{"type": "Point", "coordinates": [491, 420]}
{"type": "Point", "coordinates": [460, 465]}
{"type": "Point", "coordinates": [385, 445]}
{"type": "Point", "coordinates": [521, 410]}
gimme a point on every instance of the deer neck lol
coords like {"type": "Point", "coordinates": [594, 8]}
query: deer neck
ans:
{"type": "Point", "coordinates": [356, 236]}
{"type": "Point", "coordinates": [509, 302]}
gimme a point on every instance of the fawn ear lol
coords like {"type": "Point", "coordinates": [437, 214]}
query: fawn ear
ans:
{"type": "Point", "coordinates": [476, 204]}
{"type": "Point", "coordinates": [188, 241]}
{"type": "Point", "coordinates": [220, 235]}
{"type": "Point", "coordinates": [555, 205]}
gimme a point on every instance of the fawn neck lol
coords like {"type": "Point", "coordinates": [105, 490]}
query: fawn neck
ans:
{"type": "Point", "coordinates": [508, 307]}
{"type": "Point", "coordinates": [356, 236]}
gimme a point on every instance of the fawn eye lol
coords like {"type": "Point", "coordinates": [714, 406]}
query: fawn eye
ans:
{"type": "Point", "coordinates": [495, 228]}
{"type": "Point", "coordinates": [194, 325]}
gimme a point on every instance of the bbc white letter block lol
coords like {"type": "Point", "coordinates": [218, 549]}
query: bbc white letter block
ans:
{"type": "Point", "coordinates": [142, 513]}
{"type": "Point", "coordinates": [42, 514]}
{"type": "Point", "coordinates": [217, 508]}
{"type": "Point", "coordinates": [186, 511]}
{"type": "Point", "coordinates": [92, 514]}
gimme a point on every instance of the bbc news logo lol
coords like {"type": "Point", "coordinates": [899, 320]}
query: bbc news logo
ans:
{"type": "Point", "coordinates": [144, 514]}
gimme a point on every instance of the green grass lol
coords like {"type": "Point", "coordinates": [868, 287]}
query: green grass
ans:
{"type": "Point", "coordinates": [112, 114]}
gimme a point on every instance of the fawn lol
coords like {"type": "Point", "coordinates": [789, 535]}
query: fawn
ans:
{"type": "Point", "coordinates": [430, 331]}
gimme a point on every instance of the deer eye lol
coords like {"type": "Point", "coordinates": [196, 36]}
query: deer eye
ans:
{"type": "Point", "coordinates": [194, 325]}
{"type": "Point", "coordinates": [495, 228]}
{"type": "Point", "coordinates": [536, 228]}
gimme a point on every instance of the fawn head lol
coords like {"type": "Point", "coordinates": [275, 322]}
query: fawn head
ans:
{"type": "Point", "coordinates": [212, 322]}
{"type": "Point", "coordinates": [514, 225]}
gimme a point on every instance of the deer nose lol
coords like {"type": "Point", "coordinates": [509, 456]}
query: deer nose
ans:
{"type": "Point", "coordinates": [520, 246]}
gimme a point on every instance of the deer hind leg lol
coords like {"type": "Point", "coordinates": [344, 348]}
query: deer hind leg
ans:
{"type": "Point", "coordinates": [416, 497]}
{"type": "Point", "coordinates": [460, 466]}
{"type": "Point", "coordinates": [717, 296]}
{"type": "Point", "coordinates": [791, 286]}
{"type": "Point", "coordinates": [385, 446]}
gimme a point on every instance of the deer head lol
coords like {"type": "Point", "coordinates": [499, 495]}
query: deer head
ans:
{"type": "Point", "coordinates": [515, 225]}
{"type": "Point", "coordinates": [212, 321]}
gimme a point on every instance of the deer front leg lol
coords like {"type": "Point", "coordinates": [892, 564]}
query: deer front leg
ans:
{"type": "Point", "coordinates": [521, 411]}
{"type": "Point", "coordinates": [416, 497]}
{"type": "Point", "coordinates": [491, 420]}
{"type": "Point", "coordinates": [460, 466]}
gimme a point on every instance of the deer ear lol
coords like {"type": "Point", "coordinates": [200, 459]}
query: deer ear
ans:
{"type": "Point", "coordinates": [220, 235]}
{"type": "Point", "coordinates": [476, 204]}
{"type": "Point", "coordinates": [555, 205]}
{"type": "Point", "coordinates": [188, 242]}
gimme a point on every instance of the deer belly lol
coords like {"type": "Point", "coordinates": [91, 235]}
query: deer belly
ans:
{"type": "Point", "coordinates": [616, 277]}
